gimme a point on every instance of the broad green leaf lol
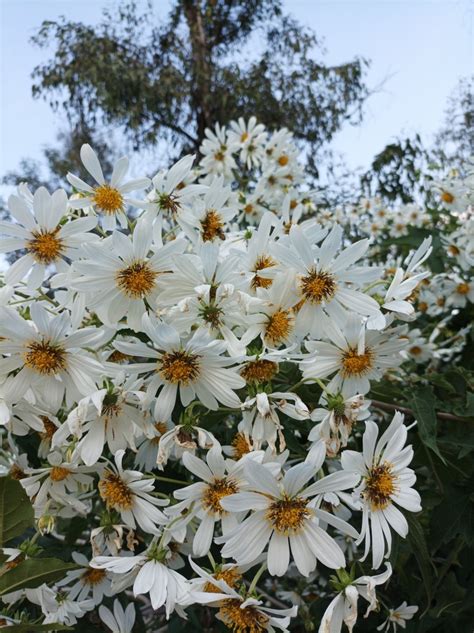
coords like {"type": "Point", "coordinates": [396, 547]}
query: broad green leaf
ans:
{"type": "Point", "coordinates": [417, 540]}
{"type": "Point", "coordinates": [453, 516]}
{"type": "Point", "coordinates": [33, 572]}
{"type": "Point", "coordinates": [423, 407]}
{"type": "Point", "coordinates": [16, 512]}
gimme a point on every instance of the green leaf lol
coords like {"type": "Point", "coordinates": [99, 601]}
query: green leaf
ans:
{"type": "Point", "coordinates": [33, 572]}
{"type": "Point", "coordinates": [453, 516]}
{"type": "Point", "coordinates": [423, 407]}
{"type": "Point", "coordinates": [16, 512]}
{"type": "Point", "coordinates": [416, 539]}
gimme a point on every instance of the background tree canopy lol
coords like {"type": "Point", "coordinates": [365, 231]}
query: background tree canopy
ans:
{"type": "Point", "coordinates": [208, 62]}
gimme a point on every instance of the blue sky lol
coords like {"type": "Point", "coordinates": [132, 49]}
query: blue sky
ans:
{"type": "Point", "coordinates": [418, 48]}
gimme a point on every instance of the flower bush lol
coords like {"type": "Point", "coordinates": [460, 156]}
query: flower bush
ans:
{"type": "Point", "coordinates": [211, 392]}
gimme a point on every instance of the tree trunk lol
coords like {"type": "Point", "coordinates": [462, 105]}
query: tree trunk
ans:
{"type": "Point", "coordinates": [201, 56]}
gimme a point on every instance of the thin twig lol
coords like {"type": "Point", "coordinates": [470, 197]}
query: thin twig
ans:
{"type": "Point", "coordinates": [387, 406]}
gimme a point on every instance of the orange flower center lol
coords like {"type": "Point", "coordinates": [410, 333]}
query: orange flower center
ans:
{"type": "Point", "coordinates": [59, 473]}
{"type": "Point", "coordinates": [44, 357]}
{"type": "Point", "coordinates": [240, 445]}
{"type": "Point", "coordinates": [247, 620]}
{"type": "Point", "coordinates": [46, 247]}
{"type": "Point", "coordinates": [93, 576]}
{"type": "Point", "coordinates": [278, 326]}
{"type": "Point", "coordinates": [288, 515]}
{"type": "Point", "coordinates": [318, 286]}
{"type": "Point", "coordinates": [115, 492]}
{"type": "Point", "coordinates": [214, 492]}
{"type": "Point", "coordinates": [179, 367]}
{"type": "Point", "coordinates": [263, 261]}
{"type": "Point", "coordinates": [379, 486]}
{"type": "Point", "coordinates": [259, 370]}
{"type": "Point", "coordinates": [108, 199]}
{"type": "Point", "coordinates": [137, 280]}
{"type": "Point", "coordinates": [212, 226]}
{"type": "Point", "coordinates": [355, 364]}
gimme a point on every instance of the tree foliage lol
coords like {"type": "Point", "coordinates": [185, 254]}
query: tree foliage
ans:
{"type": "Point", "coordinates": [208, 62]}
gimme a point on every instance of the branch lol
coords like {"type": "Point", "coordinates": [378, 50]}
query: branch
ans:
{"type": "Point", "coordinates": [387, 406]}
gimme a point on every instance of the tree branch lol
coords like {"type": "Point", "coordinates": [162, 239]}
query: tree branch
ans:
{"type": "Point", "coordinates": [387, 406]}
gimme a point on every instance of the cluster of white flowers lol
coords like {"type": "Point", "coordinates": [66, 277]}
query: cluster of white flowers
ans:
{"type": "Point", "coordinates": [155, 359]}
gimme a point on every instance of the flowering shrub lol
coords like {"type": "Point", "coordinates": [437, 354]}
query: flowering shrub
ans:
{"type": "Point", "coordinates": [210, 394]}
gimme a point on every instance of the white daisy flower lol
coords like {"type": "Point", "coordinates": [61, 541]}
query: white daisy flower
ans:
{"type": "Point", "coordinates": [120, 621]}
{"type": "Point", "coordinates": [386, 482]}
{"type": "Point", "coordinates": [49, 355]}
{"type": "Point", "coordinates": [129, 493]}
{"type": "Point", "coordinates": [336, 418]}
{"type": "Point", "coordinates": [85, 581]}
{"type": "Point", "coordinates": [48, 242]}
{"type": "Point", "coordinates": [240, 613]}
{"type": "Point", "coordinates": [109, 199]}
{"type": "Point", "coordinates": [217, 154]}
{"type": "Point", "coordinates": [174, 191]}
{"type": "Point", "coordinates": [61, 481]}
{"type": "Point", "coordinates": [398, 617]}
{"type": "Point", "coordinates": [149, 573]}
{"type": "Point", "coordinates": [343, 608]}
{"type": "Point", "coordinates": [356, 354]}
{"type": "Point", "coordinates": [183, 438]}
{"type": "Point", "coordinates": [196, 367]}
{"type": "Point", "coordinates": [284, 516]}
{"type": "Point", "coordinates": [202, 499]}
{"type": "Point", "coordinates": [327, 281]}
{"type": "Point", "coordinates": [260, 421]}
{"type": "Point", "coordinates": [122, 277]}
{"type": "Point", "coordinates": [57, 607]}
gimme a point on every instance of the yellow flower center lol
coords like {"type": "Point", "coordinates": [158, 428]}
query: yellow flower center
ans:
{"type": "Point", "coordinates": [355, 364]}
{"type": "Point", "coordinates": [259, 370]}
{"type": "Point", "coordinates": [161, 428]}
{"type": "Point", "coordinates": [422, 306]}
{"type": "Point", "coordinates": [240, 446]}
{"type": "Point", "coordinates": [212, 226]}
{"type": "Point", "coordinates": [169, 203]}
{"type": "Point", "coordinates": [137, 280]}
{"type": "Point", "coordinates": [219, 155]}
{"type": "Point", "coordinates": [447, 197]}
{"type": "Point", "coordinates": [247, 620]}
{"type": "Point", "coordinates": [263, 261]}
{"type": "Point", "coordinates": [379, 486]}
{"type": "Point", "coordinates": [283, 160]}
{"type": "Point", "coordinates": [93, 576]}
{"type": "Point", "coordinates": [318, 286]}
{"type": "Point", "coordinates": [46, 247]}
{"type": "Point", "coordinates": [248, 208]}
{"type": "Point", "coordinates": [231, 576]}
{"type": "Point", "coordinates": [179, 367]}
{"type": "Point", "coordinates": [59, 473]}
{"type": "Point", "coordinates": [244, 136]}
{"type": "Point", "coordinates": [278, 326]}
{"type": "Point", "coordinates": [288, 515]}
{"type": "Point", "coordinates": [108, 199]}
{"type": "Point", "coordinates": [44, 357]}
{"type": "Point", "coordinates": [462, 288]}
{"type": "Point", "coordinates": [115, 492]}
{"type": "Point", "coordinates": [415, 350]}
{"type": "Point", "coordinates": [214, 492]}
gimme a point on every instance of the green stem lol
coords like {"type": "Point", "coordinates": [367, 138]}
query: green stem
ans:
{"type": "Point", "coordinates": [256, 578]}
{"type": "Point", "coordinates": [170, 480]}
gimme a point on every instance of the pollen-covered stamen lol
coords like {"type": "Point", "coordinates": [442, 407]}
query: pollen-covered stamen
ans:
{"type": "Point", "coordinates": [247, 620]}
{"type": "Point", "coordinates": [45, 357]}
{"type": "Point", "coordinates": [355, 364]}
{"type": "Point", "coordinates": [93, 576]}
{"type": "Point", "coordinates": [108, 199]}
{"type": "Point", "coordinates": [287, 515]}
{"type": "Point", "coordinates": [115, 492]}
{"type": "Point", "coordinates": [279, 326]}
{"type": "Point", "coordinates": [169, 203]}
{"type": "Point", "coordinates": [263, 261]}
{"type": "Point", "coordinates": [59, 473]}
{"type": "Point", "coordinates": [231, 576]}
{"type": "Point", "coordinates": [318, 286]}
{"type": "Point", "coordinates": [137, 280]}
{"type": "Point", "coordinates": [260, 370]}
{"type": "Point", "coordinates": [379, 486]}
{"type": "Point", "coordinates": [240, 446]}
{"type": "Point", "coordinates": [215, 491]}
{"type": "Point", "coordinates": [179, 367]}
{"type": "Point", "coordinates": [447, 197]}
{"type": "Point", "coordinates": [45, 247]}
{"type": "Point", "coordinates": [462, 288]}
{"type": "Point", "coordinates": [212, 226]}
